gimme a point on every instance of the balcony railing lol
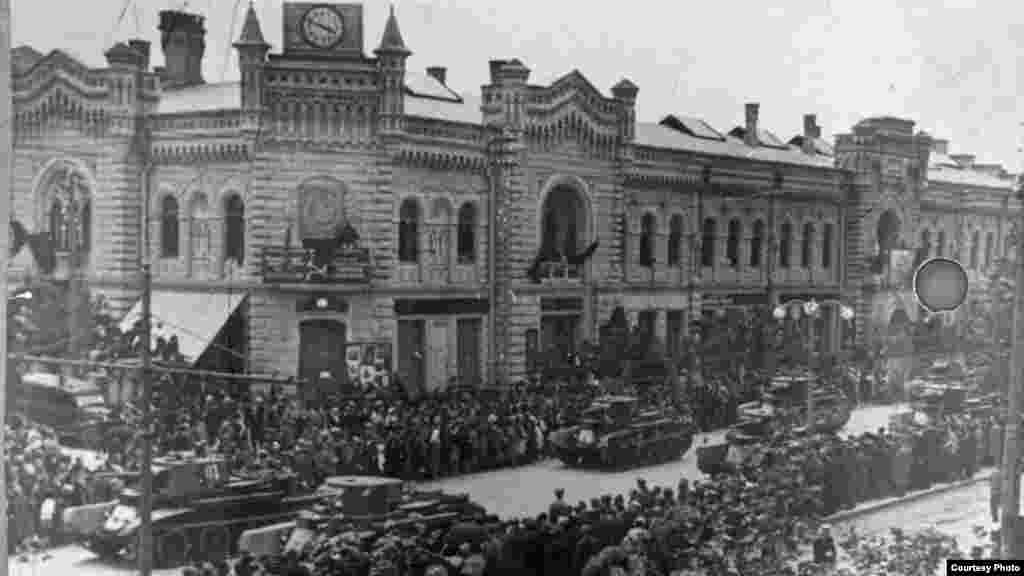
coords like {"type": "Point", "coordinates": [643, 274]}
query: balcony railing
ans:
{"type": "Point", "coordinates": [282, 265]}
{"type": "Point", "coordinates": [559, 271]}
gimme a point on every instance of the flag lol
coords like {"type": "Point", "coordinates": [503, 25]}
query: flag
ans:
{"type": "Point", "coordinates": [582, 257]}
{"type": "Point", "coordinates": [43, 251]}
{"type": "Point", "coordinates": [18, 237]}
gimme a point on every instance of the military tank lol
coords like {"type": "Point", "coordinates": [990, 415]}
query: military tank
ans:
{"type": "Point", "coordinates": [785, 404]}
{"type": "Point", "coordinates": [366, 506]}
{"type": "Point", "coordinates": [199, 511]}
{"type": "Point", "coordinates": [614, 433]}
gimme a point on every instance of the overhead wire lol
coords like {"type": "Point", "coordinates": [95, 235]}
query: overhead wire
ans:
{"type": "Point", "coordinates": [227, 46]}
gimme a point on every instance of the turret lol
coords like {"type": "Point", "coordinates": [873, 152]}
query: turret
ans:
{"type": "Point", "coordinates": [505, 97]}
{"type": "Point", "coordinates": [252, 55]}
{"type": "Point", "coordinates": [625, 93]}
{"type": "Point", "coordinates": [391, 57]}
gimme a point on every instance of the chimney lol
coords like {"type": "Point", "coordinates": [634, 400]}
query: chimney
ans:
{"type": "Point", "coordinates": [963, 160]}
{"type": "Point", "coordinates": [142, 47]}
{"type": "Point", "coordinates": [940, 146]}
{"type": "Point", "coordinates": [183, 39]}
{"type": "Point", "coordinates": [750, 136]}
{"type": "Point", "coordinates": [811, 133]}
{"type": "Point", "coordinates": [439, 73]}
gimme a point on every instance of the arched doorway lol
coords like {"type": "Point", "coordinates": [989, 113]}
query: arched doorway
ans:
{"type": "Point", "coordinates": [564, 221]}
{"type": "Point", "coordinates": [322, 364]}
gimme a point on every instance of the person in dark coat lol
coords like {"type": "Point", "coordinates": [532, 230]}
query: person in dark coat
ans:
{"type": "Point", "coordinates": [559, 507]}
{"type": "Point", "coordinates": [824, 547]}
{"type": "Point", "coordinates": [586, 547]}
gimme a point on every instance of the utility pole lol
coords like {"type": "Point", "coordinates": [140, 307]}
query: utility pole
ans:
{"type": "Point", "coordinates": [6, 161]}
{"type": "Point", "coordinates": [1011, 452]}
{"type": "Point", "coordinates": [769, 266]}
{"type": "Point", "coordinates": [142, 143]}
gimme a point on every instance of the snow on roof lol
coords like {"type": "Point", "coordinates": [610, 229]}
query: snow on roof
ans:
{"type": "Point", "coordinates": [201, 98]}
{"type": "Point", "coordinates": [657, 136]}
{"type": "Point", "coordinates": [467, 111]}
{"type": "Point", "coordinates": [967, 177]}
{"type": "Point", "coordinates": [422, 84]}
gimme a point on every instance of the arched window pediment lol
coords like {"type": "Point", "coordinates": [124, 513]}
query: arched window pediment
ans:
{"type": "Point", "coordinates": [63, 192]}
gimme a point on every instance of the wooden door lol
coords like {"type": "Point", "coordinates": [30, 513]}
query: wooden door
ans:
{"type": "Point", "coordinates": [410, 355]}
{"type": "Point", "coordinates": [437, 356]}
{"type": "Point", "coordinates": [322, 357]}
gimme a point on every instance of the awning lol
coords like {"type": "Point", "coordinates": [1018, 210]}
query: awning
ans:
{"type": "Point", "coordinates": [194, 317]}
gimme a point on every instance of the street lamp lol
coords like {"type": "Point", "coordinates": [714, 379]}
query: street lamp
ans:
{"type": "Point", "coordinates": [809, 309]}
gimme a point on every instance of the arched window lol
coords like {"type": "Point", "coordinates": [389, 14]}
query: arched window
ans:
{"type": "Point", "coordinates": [826, 245]}
{"type": "Point", "coordinates": [564, 223]}
{"type": "Point", "coordinates": [409, 231]}
{"type": "Point", "coordinates": [990, 245]}
{"type": "Point", "coordinates": [756, 244]}
{"type": "Point", "coordinates": [709, 235]}
{"type": "Point", "coordinates": [785, 244]}
{"type": "Point", "coordinates": [57, 224]}
{"type": "Point", "coordinates": [648, 228]}
{"type": "Point", "coordinates": [234, 229]}
{"type": "Point", "coordinates": [732, 245]}
{"type": "Point", "coordinates": [926, 244]}
{"type": "Point", "coordinates": [805, 247]}
{"type": "Point", "coordinates": [85, 240]}
{"type": "Point", "coordinates": [675, 240]}
{"type": "Point", "coordinates": [467, 233]}
{"type": "Point", "coordinates": [169, 227]}
{"type": "Point", "coordinates": [940, 246]}
{"type": "Point", "coordinates": [975, 241]}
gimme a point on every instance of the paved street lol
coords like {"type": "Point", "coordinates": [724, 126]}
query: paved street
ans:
{"type": "Point", "coordinates": [955, 512]}
{"type": "Point", "coordinates": [520, 491]}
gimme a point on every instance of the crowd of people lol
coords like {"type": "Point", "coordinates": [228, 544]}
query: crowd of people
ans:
{"type": "Point", "coordinates": [41, 481]}
{"type": "Point", "coordinates": [764, 517]}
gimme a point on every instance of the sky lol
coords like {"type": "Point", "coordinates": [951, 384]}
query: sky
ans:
{"type": "Point", "coordinates": [955, 67]}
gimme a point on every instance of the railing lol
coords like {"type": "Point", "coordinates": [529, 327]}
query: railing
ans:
{"type": "Point", "coordinates": [282, 265]}
{"type": "Point", "coordinates": [559, 271]}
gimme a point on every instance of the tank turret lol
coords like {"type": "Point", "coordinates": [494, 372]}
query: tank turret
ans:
{"type": "Point", "coordinates": [614, 432]}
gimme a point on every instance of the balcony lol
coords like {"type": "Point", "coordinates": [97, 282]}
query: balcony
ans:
{"type": "Point", "coordinates": [282, 265]}
{"type": "Point", "coordinates": [559, 272]}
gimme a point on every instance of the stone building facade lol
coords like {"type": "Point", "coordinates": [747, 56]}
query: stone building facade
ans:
{"type": "Point", "coordinates": [330, 199]}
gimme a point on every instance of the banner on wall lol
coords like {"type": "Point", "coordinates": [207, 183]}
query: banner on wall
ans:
{"type": "Point", "coordinates": [369, 365]}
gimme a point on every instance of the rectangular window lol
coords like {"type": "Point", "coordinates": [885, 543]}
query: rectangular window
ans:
{"type": "Point", "coordinates": [647, 320]}
{"type": "Point", "coordinates": [468, 335]}
{"type": "Point", "coordinates": [674, 332]}
{"type": "Point", "coordinates": [826, 247]}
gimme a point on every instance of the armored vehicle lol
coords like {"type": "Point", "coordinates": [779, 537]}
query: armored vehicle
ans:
{"type": "Point", "coordinates": [615, 433]}
{"type": "Point", "coordinates": [75, 409]}
{"type": "Point", "coordinates": [199, 511]}
{"type": "Point", "coordinates": [367, 506]}
{"type": "Point", "coordinates": [785, 404]}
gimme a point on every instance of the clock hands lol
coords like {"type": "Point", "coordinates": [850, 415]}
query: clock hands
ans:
{"type": "Point", "coordinates": [323, 27]}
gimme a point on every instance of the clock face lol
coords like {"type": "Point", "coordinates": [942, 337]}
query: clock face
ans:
{"type": "Point", "coordinates": [322, 26]}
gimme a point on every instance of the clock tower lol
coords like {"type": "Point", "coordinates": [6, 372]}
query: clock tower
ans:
{"type": "Point", "coordinates": [323, 30]}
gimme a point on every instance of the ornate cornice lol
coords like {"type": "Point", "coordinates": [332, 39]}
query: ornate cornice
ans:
{"type": "Point", "coordinates": [442, 159]}
{"type": "Point", "coordinates": [183, 153]}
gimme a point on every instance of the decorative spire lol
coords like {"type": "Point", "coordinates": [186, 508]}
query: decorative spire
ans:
{"type": "Point", "coordinates": [252, 35]}
{"type": "Point", "coordinates": [391, 41]}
